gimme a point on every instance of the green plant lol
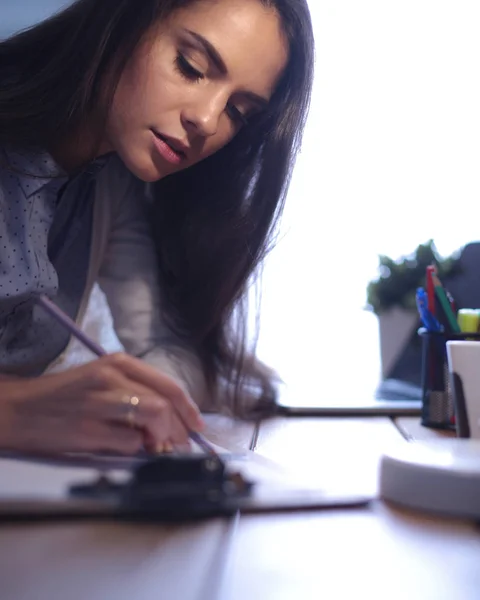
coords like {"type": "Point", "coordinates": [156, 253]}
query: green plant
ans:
{"type": "Point", "coordinates": [399, 279]}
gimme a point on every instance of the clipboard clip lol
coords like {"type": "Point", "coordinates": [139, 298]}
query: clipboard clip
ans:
{"type": "Point", "coordinates": [170, 487]}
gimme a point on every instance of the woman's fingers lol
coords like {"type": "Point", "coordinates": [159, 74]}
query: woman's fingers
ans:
{"type": "Point", "coordinates": [102, 436]}
{"type": "Point", "coordinates": [152, 414]}
{"type": "Point", "coordinates": [122, 391]}
{"type": "Point", "coordinates": [176, 432]}
{"type": "Point", "coordinates": [163, 385]}
{"type": "Point", "coordinates": [120, 399]}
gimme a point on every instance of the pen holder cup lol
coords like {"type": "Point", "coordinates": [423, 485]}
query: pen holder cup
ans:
{"type": "Point", "coordinates": [438, 409]}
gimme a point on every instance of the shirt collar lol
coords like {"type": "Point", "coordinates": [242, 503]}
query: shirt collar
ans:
{"type": "Point", "coordinates": [35, 169]}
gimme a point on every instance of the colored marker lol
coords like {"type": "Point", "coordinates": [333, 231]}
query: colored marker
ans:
{"type": "Point", "coordinates": [431, 288]}
{"type": "Point", "coordinates": [445, 304]}
{"type": "Point", "coordinates": [429, 321]}
{"type": "Point", "coordinates": [468, 320]}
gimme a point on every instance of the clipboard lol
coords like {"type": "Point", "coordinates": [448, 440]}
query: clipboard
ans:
{"type": "Point", "coordinates": [165, 488]}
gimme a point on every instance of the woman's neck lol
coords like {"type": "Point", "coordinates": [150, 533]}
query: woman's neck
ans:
{"type": "Point", "coordinates": [77, 150]}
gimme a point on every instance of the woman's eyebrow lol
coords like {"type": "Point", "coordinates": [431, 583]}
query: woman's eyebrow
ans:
{"type": "Point", "coordinates": [210, 50]}
{"type": "Point", "coordinates": [219, 63]}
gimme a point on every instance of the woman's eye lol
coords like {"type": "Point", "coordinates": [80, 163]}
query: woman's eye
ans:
{"type": "Point", "coordinates": [187, 70]}
{"type": "Point", "coordinates": [236, 115]}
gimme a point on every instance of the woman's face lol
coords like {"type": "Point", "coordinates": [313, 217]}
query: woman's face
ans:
{"type": "Point", "coordinates": [185, 94]}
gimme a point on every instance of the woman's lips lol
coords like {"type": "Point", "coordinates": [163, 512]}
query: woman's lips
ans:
{"type": "Point", "coordinates": [175, 157]}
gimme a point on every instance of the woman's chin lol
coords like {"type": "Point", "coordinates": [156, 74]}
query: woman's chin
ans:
{"type": "Point", "coordinates": [143, 166]}
{"type": "Point", "coordinates": [148, 174]}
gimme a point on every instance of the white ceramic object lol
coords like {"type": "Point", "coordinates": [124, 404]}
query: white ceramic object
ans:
{"type": "Point", "coordinates": [463, 358]}
{"type": "Point", "coordinates": [440, 476]}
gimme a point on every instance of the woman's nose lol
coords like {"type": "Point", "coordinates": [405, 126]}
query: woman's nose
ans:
{"type": "Point", "coordinates": [203, 117]}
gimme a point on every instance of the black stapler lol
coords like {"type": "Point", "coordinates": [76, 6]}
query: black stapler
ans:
{"type": "Point", "coordinates": [170, 487]}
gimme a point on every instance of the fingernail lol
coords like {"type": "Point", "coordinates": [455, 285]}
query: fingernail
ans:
{"type": "Point", "coordinates": [164, 448]}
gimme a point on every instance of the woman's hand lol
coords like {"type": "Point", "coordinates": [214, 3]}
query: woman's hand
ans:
{"type": "Point", "coordinates": [116, 403]}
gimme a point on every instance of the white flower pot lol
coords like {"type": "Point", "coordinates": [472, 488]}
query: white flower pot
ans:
{"type": "Point", "coordinates": [396, 328]}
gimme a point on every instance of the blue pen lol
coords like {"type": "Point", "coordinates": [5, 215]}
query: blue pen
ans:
{"type": "Point", "coordinates": [429, 321]}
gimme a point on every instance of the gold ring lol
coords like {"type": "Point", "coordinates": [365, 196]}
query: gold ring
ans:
{"type": "Point", "coordinates": [132, 403]}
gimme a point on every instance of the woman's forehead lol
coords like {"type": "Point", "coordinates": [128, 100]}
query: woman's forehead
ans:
{"type": "Point", "coordinates": [247, 35]}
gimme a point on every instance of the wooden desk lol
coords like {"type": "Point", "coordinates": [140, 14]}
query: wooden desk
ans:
{"type": "Point", "coordinates": [412, 430]}
{"type": "Point", "coordinates": [376, 553]}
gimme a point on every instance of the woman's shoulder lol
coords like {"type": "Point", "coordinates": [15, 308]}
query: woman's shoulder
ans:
{"type": "Point", "coordinates": [117, 181]}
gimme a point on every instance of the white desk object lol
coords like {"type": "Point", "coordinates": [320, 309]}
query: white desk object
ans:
{"type": "Point", "coordinates": [463, 358]}
{"type": "Point", "coordinates": [441, 476]}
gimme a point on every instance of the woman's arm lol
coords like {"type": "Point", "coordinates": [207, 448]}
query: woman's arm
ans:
{"type": "Point", "coordinates": [129, 278]}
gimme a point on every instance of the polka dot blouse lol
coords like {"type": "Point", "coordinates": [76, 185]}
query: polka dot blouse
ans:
{"type": "Point", "coordinates": [45, 235]}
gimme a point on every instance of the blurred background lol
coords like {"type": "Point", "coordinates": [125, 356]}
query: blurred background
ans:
{"type": "Point", "coordinates": [390, 160]}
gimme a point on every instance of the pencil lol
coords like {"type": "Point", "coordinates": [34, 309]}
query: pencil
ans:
{"type": "Point", "coordinates": [52, 309]}
{"type": "Point", "coordinates": [69, 324]}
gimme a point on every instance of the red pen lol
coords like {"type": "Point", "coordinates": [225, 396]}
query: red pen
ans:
{"type": "Point", "coordinates": [431, 288]}
{"type": "Point", "coordinates": [431, 270]}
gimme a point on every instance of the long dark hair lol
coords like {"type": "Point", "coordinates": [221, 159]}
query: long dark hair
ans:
{"type": "Point", "coordinates": [213, 223]}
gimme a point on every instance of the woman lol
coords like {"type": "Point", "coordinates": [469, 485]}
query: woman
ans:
{"type": "Point", "coordinates": [205, 103]}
